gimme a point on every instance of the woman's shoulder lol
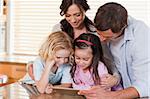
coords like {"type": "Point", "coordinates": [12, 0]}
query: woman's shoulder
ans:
{"type": "Point", "coordinates": [56, 27]}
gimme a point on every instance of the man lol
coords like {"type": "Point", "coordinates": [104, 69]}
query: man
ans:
{"type": "Point", "coordinates": [127, 40]}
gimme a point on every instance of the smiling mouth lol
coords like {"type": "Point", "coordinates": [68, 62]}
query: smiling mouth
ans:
{"type": "Point", "coordinates": [74, 24]}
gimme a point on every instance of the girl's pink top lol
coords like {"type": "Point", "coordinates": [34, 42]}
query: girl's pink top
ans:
{"type": "Point", "coordinates": [84, 79]}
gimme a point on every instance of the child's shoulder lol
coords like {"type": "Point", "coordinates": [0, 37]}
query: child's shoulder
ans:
{"type": "Point", "coordinates": [65, 66]}
{"type": "Point", "coordinates": [38, 62]}
{"type": "Point", "coordinates": [101, 66]}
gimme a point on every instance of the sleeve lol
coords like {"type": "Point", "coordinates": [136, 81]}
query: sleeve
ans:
{"type": "Point", "coordinates": [102, 69]}
{"type": "Point", "coordinates": [56, 27]}
{"type": "Point", "coordinates": [141, 59]}
{"type": "Point", "coordinates": [66, 78]}
{"type": "Point", "coordinates": [38, 68]}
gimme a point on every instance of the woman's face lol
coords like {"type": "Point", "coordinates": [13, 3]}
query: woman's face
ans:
{"type": "Point", "coordinates": [83, 57]}
{"type": "Point", "coordinates": [75, 16]}
{"type": "Point", "coordinates": [61, 56]}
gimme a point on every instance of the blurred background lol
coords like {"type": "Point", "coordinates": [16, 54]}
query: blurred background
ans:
{"type": "Point", "coordinates": [24, 24]}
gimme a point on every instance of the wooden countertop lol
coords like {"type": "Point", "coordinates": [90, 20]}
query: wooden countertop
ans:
{"type": "Point", "coordinates": [10, 80]}
{"type": "Point", "coordinates": [16, 59]}
{"type": "Point", "coordinates": [16, 91]}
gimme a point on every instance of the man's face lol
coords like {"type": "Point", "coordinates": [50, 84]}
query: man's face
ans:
{"type": "Point", "coordinates": [107, 35]}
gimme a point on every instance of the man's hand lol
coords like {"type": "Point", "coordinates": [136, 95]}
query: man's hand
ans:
{"type": "Point", "coordinates": [96, 92]}
{"type": "Point", "coordinates": [109, 81]}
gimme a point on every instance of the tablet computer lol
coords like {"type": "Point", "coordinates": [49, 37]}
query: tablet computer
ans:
{"type": "Point", "coordinates": [30, 87]}
{"type": "Point", "coordinates": [63, 90]}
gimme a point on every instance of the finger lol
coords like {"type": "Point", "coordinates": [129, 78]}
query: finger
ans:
{"type": "Point", "coordinates": [48, 91]}
{"type": "Point", "coordinates": [92, 90]}
{"type": "Point", "coordinates": [103, 81]}
{"type": "Point", "coordinates": [88, 95]}
{"type": "Point", "coordinates": [85, 92]}
{"type": "Point", "coordinates": [106, 75]}
{"type": "Point", "coordinates": [50, 85]}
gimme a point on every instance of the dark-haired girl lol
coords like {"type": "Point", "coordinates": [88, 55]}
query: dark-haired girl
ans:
{"type": "Point", "coordinates": [89, 65]}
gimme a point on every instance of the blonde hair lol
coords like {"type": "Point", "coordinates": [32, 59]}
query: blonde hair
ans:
{"type": "Point", "coordinates": [56, 41]}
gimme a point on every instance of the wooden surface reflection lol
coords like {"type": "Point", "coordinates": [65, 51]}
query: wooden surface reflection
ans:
{"type": "Point", "coordinates": [16, 91]}
{"type": "Point", "coordinates": [56, 96]}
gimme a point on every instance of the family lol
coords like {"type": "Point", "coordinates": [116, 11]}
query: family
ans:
{"type": "Point", "coordinates": [105, 58]}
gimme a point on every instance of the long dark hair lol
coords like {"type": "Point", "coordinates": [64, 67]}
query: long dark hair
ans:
{"type": "Point", "coordinates": [82, 4]}
{"type": "Point", "coordinates": [96, 51]}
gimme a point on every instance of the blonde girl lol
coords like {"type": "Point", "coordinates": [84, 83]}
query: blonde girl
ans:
{"type": "Point", "coordinates": [52, 66]}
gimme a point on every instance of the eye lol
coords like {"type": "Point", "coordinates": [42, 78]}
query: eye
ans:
{"type": "Point", "coordinates": [78, 14]}
{"type": "Point", "coordinates": [77, 58]}
{"type": "Point", "coordinates": [58, 57]}
{"type": "Point", "coordinates": [86, 58]}
{"type": "Point", "coordinates": [66, 57]}
{"type": "Point", "coordinates": [67, 15]}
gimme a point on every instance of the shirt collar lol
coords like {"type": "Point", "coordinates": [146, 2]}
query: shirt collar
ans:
{"type": "Point", "coordinates": [128, 33]}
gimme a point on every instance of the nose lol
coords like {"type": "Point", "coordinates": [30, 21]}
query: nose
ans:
{"type": "Point", "coordinates": [80, 63]}
{"type": "Point", "coordinates": [72, 19]}
{"type": "Point", "coordinates": [62, 61]}
{"type": "Point", "coordinates": [102, 38]}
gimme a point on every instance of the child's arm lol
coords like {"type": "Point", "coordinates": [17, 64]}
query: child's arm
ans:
{"type": "Point", "coordinates": [42, 84]}
{"type": "Point", "coordinates": [66, 80]}
{"type": "Point", "coordinates": [29, 68]}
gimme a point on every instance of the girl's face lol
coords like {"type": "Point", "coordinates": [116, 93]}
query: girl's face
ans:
{"type": "Point", "coordinates": [75, 16]}
{"type": "Point", "coordinates": [83, 57]}
{"type": "Point", "coordinates": [61, 56]}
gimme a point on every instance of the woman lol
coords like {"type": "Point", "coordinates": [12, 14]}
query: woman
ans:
{"type": "Point", "coordinates": [75, 21]}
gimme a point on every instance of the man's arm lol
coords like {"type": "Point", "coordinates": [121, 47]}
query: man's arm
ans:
{"type": "Point", "coordinates": [128, 93]}
{"type": "Point", "coordinates": [98, 92]}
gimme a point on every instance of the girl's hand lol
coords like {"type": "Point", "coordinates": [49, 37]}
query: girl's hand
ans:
{"type": "Point", "coordinates": [49, 89]}
{"type": "Point", "coordinates": [109, 81]}
{"type": "Point", "coordinates": [50, 63]}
